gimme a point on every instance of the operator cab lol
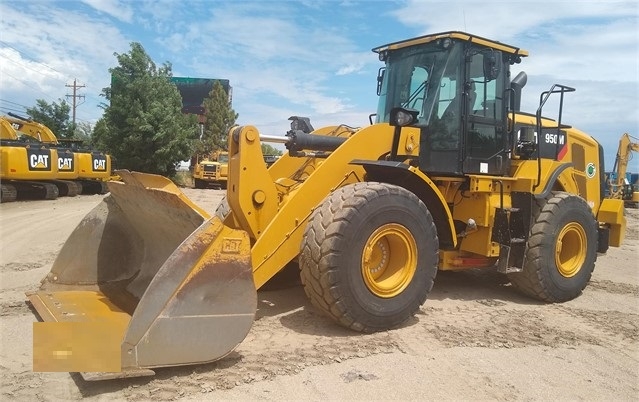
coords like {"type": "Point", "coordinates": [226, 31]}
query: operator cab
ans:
{"type": "Point", "coordinates": [459, 86]}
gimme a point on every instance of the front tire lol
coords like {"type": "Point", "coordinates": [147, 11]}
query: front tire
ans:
{"type": "Point", "coordinates": [369, 256]}
{"type": "Point", "coordinates": [562, 250]}
{"type": "Point", "coordinates": [199, 183]}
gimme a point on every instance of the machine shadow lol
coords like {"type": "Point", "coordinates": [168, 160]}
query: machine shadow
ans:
{"type": "Point", "coordinates": [284, 297]}
{"type": "Point", "coordinates": [484, 285]}
{"type": "Point", "coordinates": [95, 388]}
{"type": "Point", "coordinates": [477, 284]}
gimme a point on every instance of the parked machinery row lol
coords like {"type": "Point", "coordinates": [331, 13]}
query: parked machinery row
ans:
{"type": "Point", "coordinates": [35, 164]}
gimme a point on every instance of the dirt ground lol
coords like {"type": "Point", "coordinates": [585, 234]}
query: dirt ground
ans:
{"type": "Point", "coordinates": [473, 339]}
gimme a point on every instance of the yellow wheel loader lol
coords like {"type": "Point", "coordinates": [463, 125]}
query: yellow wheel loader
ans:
{"type": "Point", "coordinates": [450, 176]}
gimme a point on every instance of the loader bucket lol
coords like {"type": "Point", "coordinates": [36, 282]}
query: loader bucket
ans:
{"type": "Point", "coordinates": [146, 280]}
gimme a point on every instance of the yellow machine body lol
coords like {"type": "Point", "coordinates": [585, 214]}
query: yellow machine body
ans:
{"type": "Point", "coordinates": [618, 187]}
{"type": "Point", "coordinates": [147, 263]}
{"type": "Point", "coordinates": [65, 161]}
{"type": "Point", "coordinates": [211, 171]}
{"type": "Point", "coordinates": [25, 160]}
{"type": "Point", "coordinates": [73, 163]}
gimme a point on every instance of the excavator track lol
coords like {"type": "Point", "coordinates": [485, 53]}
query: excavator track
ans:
{"type": "Point", "coordinates": [91, 187]}
{"type": "Point", "coordinates": [9, 193]}
{"type": "Point", "coordinates": [68, 188]}
{"type": "Point", "coordinates": [36, 190]}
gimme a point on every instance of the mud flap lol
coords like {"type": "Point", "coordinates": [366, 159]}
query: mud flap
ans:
{"type": "Point", "coordinates": [136, 287]}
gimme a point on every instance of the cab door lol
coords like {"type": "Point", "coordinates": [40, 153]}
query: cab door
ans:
{"type": "Point", "coordinates": [485, 139]}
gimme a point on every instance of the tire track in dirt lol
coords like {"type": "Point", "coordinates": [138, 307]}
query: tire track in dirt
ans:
{"type": "Point", "coordinates": [14, 308]}
{"type": "Point", "coordinates": [266, 352]}
{"type": "Point", "coordinates": [507, 327]}
{"type": "Point", "coordinates": [21, 267]}
{"type": "Point", "coordinates": [614, 287]}
{"type": "Point", "coordinates": [613, 327]}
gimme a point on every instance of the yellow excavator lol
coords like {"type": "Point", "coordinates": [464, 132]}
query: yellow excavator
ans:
{"type": "Point", "coordinates": [80, 170]}
{"type": "Point", "coordinates": [28, 167]}
{"type": "Point", "coordinates": [617, 185]}
{"type": "Point", "coordinates": [451, 175]}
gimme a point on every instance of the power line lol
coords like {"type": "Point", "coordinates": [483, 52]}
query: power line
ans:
{"type": "Point", "coordinates": [29, 68]}
{"type": "Point", "coordinates": [36, 89]}
{"type": "Point", "coordinates": [31, 57]}
{"type": "Point", "coordinates": [10, 109]}
{"type": "Point", "coordinates": [14, 103]}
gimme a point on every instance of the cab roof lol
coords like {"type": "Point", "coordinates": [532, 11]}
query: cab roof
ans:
{"type": "Point", "coordinates": [453, 35]}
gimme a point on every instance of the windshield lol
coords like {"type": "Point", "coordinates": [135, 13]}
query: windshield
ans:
{"type": "Point", "coordinates": [422, 78]}
{"type": "Point", "coordinates": [223, 158]}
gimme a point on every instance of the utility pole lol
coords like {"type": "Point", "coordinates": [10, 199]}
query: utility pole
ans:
{"type": "Point", "coordinates": [75, 96]}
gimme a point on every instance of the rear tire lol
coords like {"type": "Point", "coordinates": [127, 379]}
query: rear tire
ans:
{"type": "Point", "coordinates": [369, 256]}
{"type": "Point", "coordinates": [562, 250]}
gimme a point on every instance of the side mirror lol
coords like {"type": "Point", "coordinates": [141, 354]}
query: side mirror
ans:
{"type": "Point", "coordinates": [380, 79]}
{"type": "Point", "coordinates": [492, 65]}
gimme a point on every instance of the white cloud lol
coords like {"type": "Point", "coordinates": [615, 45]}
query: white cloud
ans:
{"type": "Point", "coordinates": [19, 74]}
{"type": "Point", "coordinates": [115, 8]}
{"type": "Point", "coordinates": [285, 58]}
{"type": "Point", "coordinates": [350, 68]}
{"type": "Point", "coordinates": [276, 56]}
{"type": "Point", "coordinates": [67, 45]}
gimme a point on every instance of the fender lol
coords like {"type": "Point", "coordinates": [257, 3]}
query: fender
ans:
{"type": "Point", "coordinates": [414, 180]}
{"type": "Point", "coordinates": [552, 179]}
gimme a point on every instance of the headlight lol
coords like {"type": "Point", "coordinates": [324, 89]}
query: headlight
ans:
{"type": "Point", "coordinates": [403, 117]}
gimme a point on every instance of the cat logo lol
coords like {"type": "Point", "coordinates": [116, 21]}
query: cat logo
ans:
{"type": "Point", "coordinates": [39, 159]}
{"type": "Point", "coordinates": [65, 164]}
{"type": "Point", "coordinates": [99, 164]}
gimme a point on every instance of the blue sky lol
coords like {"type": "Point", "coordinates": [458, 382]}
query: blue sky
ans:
{"type": "Point", "coordinates": [313, 58]}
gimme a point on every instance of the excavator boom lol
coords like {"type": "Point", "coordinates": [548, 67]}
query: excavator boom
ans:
{"type": "Point", "coordinates": [617, 185]}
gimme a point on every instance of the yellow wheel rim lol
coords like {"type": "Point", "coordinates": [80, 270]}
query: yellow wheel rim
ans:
{"type": "Point", "coordinates": [389, 260]}
{"type": "Point", "coordinates": [570, 252]}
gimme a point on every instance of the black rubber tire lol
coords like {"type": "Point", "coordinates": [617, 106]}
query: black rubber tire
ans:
{"type": "Point", "coordinates": [332, 249]}
{"type": "Point", "coordinates": [198, 183]}
{"type": "Point", "coordinates": [541, 277]}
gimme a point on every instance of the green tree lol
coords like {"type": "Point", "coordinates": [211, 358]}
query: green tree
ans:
{"type": "Point", "coordinates": [220, 117]}
{"type": "Point", "coordinates": [83, 131]}
{"type": "Point", "coordinates": [53, 115]}
{"type": "Point", "coordinates": [143, 126]}
{"type": "Point", "coordinates": [270, 150]}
